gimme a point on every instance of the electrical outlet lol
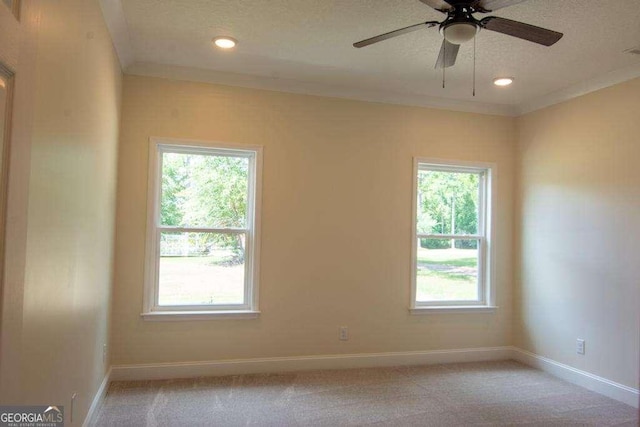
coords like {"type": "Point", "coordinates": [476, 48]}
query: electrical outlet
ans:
{"type": "Point", "coordinates": [344, 333]}
{"type": "Point", "coordinates": [580, 346]}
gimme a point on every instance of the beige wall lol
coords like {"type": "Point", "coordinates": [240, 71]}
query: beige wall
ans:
{"type": "Point", "coordinates": [579, 232]}
{"type": "Point", "coordinates": [336, 222]}
{"type": "Point", "coordinates": [61, 214]}
{"type": "Point", "coordinates": [336, 219]}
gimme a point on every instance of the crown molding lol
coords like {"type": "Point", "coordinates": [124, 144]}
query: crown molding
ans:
{"type": "Point", "coordinates": [584, 87]}
{"type": "Point", "coordinates": [310, 88]}
{"type": "Point", "coordinates": [116, 22]}
{"type": "Point", "coordinates": [175, 72]}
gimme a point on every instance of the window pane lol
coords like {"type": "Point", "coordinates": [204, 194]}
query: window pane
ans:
{"type": "Point", "coordinates": [447, 202]}
{"type": "Point", "coordinates": [204, 191]}
{"type": "Point", "coordinates": [447, 270]}
{"type": "Point", "coordinates": [201, 269]}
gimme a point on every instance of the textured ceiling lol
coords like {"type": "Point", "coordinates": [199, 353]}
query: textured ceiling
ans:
{"type": "Point", "coordinates": [311, 41]}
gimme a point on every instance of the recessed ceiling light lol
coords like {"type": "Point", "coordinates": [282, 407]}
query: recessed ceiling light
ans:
{"type": "Point", "coordinates": [224, 42]}
{"type": "Point", "coordinates": [503, 81]}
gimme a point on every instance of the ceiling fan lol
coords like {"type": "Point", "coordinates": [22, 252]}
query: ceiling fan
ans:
{"type": "Point", "coordinates": [461, 26]}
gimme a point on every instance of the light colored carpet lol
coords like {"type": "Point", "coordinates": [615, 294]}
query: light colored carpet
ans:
{"type": "Point", "coordinates": [487, 393]}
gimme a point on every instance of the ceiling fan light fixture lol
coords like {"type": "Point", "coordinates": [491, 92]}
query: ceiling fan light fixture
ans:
{"type": "Point", "coordinates": [224, 42]}
{"type": "Point", "coordinates": [503, 81]}
{"type": "Point", "coordinates": [460, 32]}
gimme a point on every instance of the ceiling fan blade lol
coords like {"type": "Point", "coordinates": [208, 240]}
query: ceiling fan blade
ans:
{"type": "Point", "coordinates": [491, 5]}
{"type": "Point", "coordinates": [448, 54]}
{"type": "Point", "coordinates": [521, 30]}
{"type": "Point", "coordinates": [439, 5]}
{"type": "Point", "coordinates": [395, 33]}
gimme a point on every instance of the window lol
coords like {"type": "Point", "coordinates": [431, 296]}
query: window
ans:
{"type": "Point", "coordinates": [452, 239]}
{"type": "Point", "coordinates": [203, 230]}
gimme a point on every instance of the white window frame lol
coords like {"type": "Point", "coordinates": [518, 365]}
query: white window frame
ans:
{"type": "Point", "coordinates": [486, 210]}
{"type": "Point", "coordinates": [151, 309]}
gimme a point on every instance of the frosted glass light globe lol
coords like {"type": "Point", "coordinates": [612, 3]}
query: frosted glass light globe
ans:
{"type": "Point", "coordinates": [458, 33]}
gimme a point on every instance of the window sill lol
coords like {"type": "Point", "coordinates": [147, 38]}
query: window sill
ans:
{"type": "Point", "coordinates": [156, 316]}
{"type": "Point", "coordinates": [454, 309]}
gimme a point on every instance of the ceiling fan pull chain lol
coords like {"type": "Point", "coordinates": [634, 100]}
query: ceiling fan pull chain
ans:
{"type": "Point", "coordinates": [444, 55]}
{"type": "Point", "coordinates": [474, 66]}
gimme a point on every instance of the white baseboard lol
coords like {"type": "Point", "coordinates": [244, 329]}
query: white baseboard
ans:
{"type": "Point", "coordinates": [154, 371]}
{"type": "Point", "coordinates": [606, 387]}
{"type": "Point", "coordinates": [302, 363]}
{"type": "Point", "coordinates": [97, 399]}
